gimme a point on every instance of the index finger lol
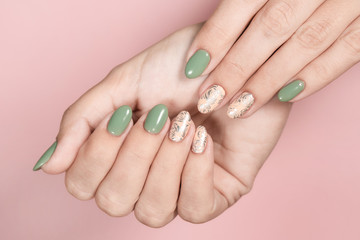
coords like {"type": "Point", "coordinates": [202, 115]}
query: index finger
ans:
{"type": "Point", "coordinates": [218, 35]}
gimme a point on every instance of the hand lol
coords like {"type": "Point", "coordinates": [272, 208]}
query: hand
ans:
{"type": "Point", "coordinates": [154, 76]}
{"type": "Point", "coordinates": [293, 45]}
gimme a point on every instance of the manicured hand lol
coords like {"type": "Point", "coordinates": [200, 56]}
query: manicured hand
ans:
{"type": "Point", "coordinates": [255, 48]}
{"type": "Point", "coordinates": [134, 165]}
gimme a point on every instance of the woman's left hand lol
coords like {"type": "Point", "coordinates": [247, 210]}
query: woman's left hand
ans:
{"type": "Point", "coordinates": [141, 172]}
{"type": "Point", "coordinates": [295, 46]}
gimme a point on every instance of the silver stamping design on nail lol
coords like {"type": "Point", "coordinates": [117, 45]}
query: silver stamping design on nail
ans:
{"type": "Point", "coordinates": [200, 139]}
{"type": "Point", "coordinates": [212, 98]}
{"type": "Point", "coordinates": [241, 105]}
{"type": "Point", "coordinates": [180, 126]}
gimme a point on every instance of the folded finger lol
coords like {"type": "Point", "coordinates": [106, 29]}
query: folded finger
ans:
{"type": "Point", "coordinates": [158, 200]}
{"type": "Point", "coordinates": [97, 154]}
{"type": "Point", "coordinates": [119, 191]}
{"type": "Point", "coordinates": [199, 201]}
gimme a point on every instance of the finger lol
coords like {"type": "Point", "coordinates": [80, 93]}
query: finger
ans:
{"type": "Point", "coordinates": [97, 154]}
{"type": "Point", "coordinates": [121, 188]}
{"type": "Point", "coordinates": [344, 53]}
{"type": "Point", "coordinates": [199, 201]}
{"type": "Point", "coordinates": [218, 35]}
{"type": "Point", "coordinates": [271, 27]}
{"type": "Point", "coordinates": [83, 116]}
{"type": "Point", "coordinates": [158, 200]}
{"type": "Point", "coordinates": [311, 40]}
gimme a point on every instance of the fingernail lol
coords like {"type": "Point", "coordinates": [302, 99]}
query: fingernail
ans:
{"type": "Point", "coordinates": [197, 64]}
{"type": "Point", "coordinates": [45, 157]}
{"type": "Point", "coordinates": [291, 90]}
{"type": "Point", "coordinates": [241, 105]}
{"type": "Point", "coordinates": [156, 119]}
{"type": "Point", "coordinates": [211, 98]}
{"type": "Point", "coordinates": [180, 126]}
{"type": "Point", "coordinates": [119, 120]}
{"type": "Point", "coordinates": [200, 139]}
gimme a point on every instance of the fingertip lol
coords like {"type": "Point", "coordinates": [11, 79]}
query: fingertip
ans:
{"type": "Point", "coordinates": [200, 140]}
{"type": "Point", "coordinates": [197, 63]}
{"type": "Point", "coordinates": [69, 141]}
{"type": "Point", "coordinates": [54, 165]}
{"type": "Point", "coordinates": [45, 157]}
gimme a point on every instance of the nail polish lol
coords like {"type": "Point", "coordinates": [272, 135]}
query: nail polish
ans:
{"type": "Point", "coordinates": [45, 157]}
{"type": "Point", "coordinates": [119, 120]}
{"type": "Point", "coordinates": [291, 90]}
{"type": "Point", "coordinates": [180, 126]}
{"type": "Point", "coordinates": [241, 105]}
{"type": "Point", "coordinates": [156, 119]}
{"type": "Point", "coordinates": [197, 64]}
{"type": "Point", "coordinates": [211, 98]}
{"type": "Point", "coordinates": [200, 139]}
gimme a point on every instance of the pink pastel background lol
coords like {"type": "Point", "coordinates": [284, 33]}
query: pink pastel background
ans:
{"type": "Point", "coordinates": [52, 51]}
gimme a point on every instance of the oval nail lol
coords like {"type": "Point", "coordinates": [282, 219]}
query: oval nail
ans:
{"type": "Point", "coordinates": [200, 140]}
{"type": "Point", "coordinates": [197, 64]}
{"type": "Point", "coordinates": [180, 126]}
{"type": "Point", "coordinates": [211, 98]}
{"type": "Point", "coordinates": [45, 157]}
{"type": "Point", "coordinates": [156, 119]}
{"type": "Point", "coordinates": [291, 90]}
{"type": "Point", "coordinates": [119, 120]}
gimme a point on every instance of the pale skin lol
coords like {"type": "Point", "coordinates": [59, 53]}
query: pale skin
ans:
{"type": "Point", "coordinates": [259, 46]}
{"type": "Point", "coordinates": [142, 172]}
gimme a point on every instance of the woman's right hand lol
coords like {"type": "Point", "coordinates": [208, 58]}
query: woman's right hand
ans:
{"type": "Point", "coordinates": [207, 189]}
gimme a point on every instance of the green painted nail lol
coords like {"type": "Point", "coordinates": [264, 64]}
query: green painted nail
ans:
{"type": "Point", "coordinates": [291, 90]}
{"type": "Point", "coordinates": [45, 157]}
{"type": "Point", "coordinates": [119, 120]}
{"type": "Point", "coordinates": [156, 119]}
{"type": "Point", "coordinates": [197, 64]}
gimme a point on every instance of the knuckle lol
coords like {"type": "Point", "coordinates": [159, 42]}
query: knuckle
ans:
{"type": "Point", "coordinates": [115, 73]}
{"type": "Point", "coordinates": [92, 150]}
{"type": "Point", "coordinates": [212, 28]}
{"type": "Point", "coordinates": [236, 68]}
{"type": "Point", "coordinates": [239, 188]}
{"type": "Point", "coordinates": [313, 35]}
{"type": "Point", "coordinates": [137, 156]}
{"type": "Point", "coordinates": [111, 206]}
{"type": "Point", "coordinates": [116, 69]}
{"type": "Point", "coordinates": [151, 217]}
{"type": "Point", "coordinates": [68, 112]}
{"type": "Point", "coordinates": [76, 190]}
{"type": "Point", "coordinates": [352, 41]}
{"type": "Point", "coordinates": [321, 72]}
{"type": "Point", "coordinates": [70, 117]}
{"type": "Point", "coordinates": [192, 214]}
{"type": "Point", "coordinates": [276, 18]}
{"type": "Point", "coordinates": [244, 188]}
